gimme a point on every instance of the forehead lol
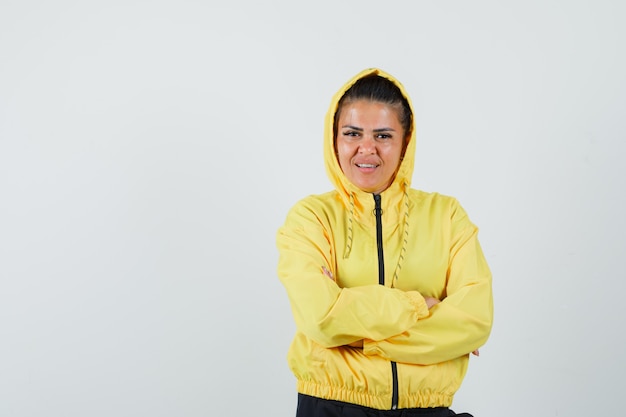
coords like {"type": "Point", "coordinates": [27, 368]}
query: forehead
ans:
{"type": "Point", "coordinates": [367, 112]}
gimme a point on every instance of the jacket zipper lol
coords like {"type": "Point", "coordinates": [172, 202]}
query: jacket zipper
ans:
{"type": "Point", "coordinates": [378, 212]}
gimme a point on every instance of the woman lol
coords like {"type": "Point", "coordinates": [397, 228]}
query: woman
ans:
{"type": "Point", "coordinates": [388, 285]}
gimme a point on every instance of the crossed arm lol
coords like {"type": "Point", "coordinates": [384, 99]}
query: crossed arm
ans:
{"type": "Point", "coordinates": [403, 326]}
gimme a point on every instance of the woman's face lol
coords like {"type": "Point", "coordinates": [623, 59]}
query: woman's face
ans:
{"type": "Point", "coordinates": [369, 144]}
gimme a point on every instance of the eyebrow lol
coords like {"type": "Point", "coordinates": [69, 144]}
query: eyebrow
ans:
{"type": "Point", "coordinates": [360, 129]}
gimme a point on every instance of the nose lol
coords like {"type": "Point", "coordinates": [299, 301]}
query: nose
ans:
{"type": "Point", "coordinates": [367, 145]}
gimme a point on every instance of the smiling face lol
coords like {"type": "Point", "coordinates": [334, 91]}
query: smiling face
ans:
{"type": "Point", "coordinates": [369, 144]}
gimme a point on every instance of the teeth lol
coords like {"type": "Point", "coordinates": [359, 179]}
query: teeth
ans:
{"type": "Point", "coordinates": [366, 165]}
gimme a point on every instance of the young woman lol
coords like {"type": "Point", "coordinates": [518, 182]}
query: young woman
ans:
{"type": "Point", "coordinates": [388, 285]}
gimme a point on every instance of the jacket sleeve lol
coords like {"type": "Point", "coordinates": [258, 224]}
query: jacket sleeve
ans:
{"type": "Point", "coordinates": [327, 314]}
{"type": "Point", "coordinates": [463, 320]}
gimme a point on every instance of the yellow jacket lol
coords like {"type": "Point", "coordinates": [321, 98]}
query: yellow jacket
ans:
{"type": "Point", "coordinates": [410, 356]}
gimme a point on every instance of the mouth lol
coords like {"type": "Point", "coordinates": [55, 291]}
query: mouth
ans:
{"type": "Point", "coordinates": [367, 165]}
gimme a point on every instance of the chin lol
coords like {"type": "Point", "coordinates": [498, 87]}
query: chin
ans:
{"type": "Point", "coordinates": [369, 189]}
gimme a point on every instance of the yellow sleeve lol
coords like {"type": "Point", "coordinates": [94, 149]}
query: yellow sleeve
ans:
{"type": "Point", "coordinates": [330, 315]}
{"type": "Point", "coordinates": [459, 324]}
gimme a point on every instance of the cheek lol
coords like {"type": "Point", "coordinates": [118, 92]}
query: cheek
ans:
{"type": "Point", "coordinates": [343, 152]}
{"type": "Point", "coordinates": [396, 153]}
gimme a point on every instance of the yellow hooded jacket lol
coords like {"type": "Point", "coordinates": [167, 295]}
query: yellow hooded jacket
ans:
{"type": "Point", "coordinates": [411, 357]}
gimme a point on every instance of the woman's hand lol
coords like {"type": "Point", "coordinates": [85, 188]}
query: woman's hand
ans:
{"type": "Point", "coordinates": [328, 273]}
{"type": "Point", "coordinates": [430, 302]}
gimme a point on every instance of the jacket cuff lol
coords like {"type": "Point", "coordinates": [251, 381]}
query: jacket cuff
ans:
{"type": "Point", "coordinates": [370, 348]}
{"type": "Point", "coordinates": [418, 301]}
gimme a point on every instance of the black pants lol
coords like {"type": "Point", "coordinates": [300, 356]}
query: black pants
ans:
{"type": "Point", "coordinates": [316, 407]}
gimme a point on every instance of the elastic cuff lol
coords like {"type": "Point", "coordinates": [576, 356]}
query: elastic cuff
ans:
{"type": "Point", "coordinates": [370, 347]}
{"type": "Point", "coordinates": [418, 301]}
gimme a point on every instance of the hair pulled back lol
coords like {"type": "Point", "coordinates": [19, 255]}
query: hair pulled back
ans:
{"type": "Point", "coordinates": [373, 87]}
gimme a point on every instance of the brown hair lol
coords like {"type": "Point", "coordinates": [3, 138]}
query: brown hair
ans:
{"type": "Point", "coordinates": [373, 87]}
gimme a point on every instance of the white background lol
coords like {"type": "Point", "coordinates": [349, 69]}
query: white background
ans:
{"type": "Point", "coordinates": [149, 150]}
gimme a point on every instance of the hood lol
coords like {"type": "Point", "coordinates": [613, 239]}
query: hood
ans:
{"type": "Point", "coordinates": [346, 189]}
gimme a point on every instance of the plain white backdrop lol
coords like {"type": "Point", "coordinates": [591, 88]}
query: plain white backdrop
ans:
{"type": "Point", "coordinates": [149, 150]}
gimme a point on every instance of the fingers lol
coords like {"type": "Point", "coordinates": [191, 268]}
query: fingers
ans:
{"type": "Point", "coordinates": [430, 302]}
{"type": "Point", "coordinates": [327, 273]}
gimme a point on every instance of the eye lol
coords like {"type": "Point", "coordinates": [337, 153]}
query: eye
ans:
{"type": "Point", "coordinates": [383, 136]}
{"type": "Point", "coordinates": [350, 133]}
